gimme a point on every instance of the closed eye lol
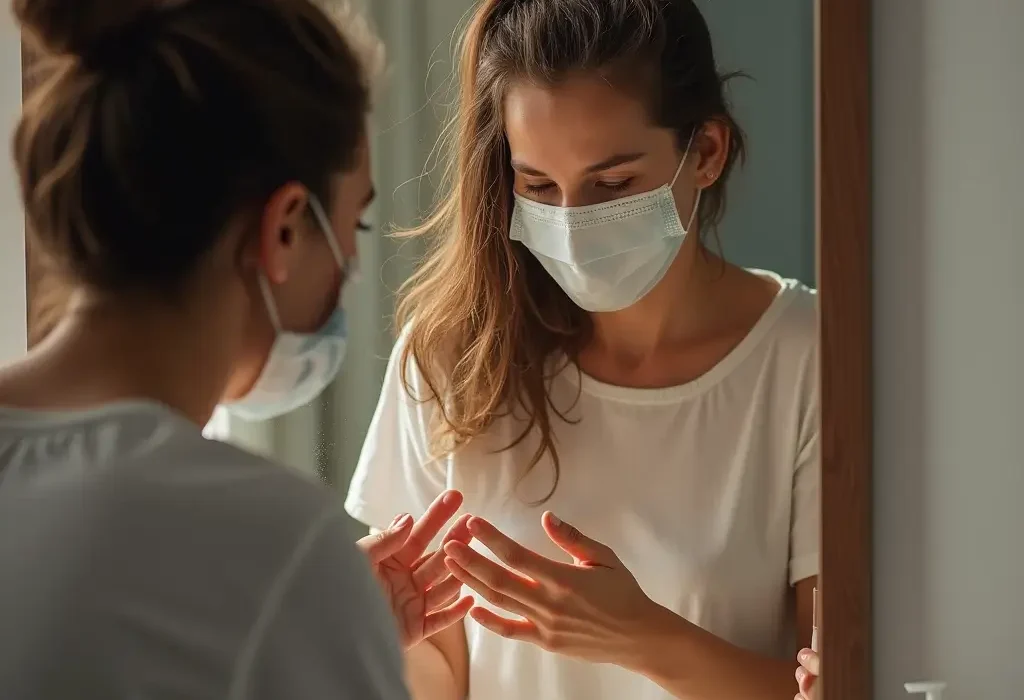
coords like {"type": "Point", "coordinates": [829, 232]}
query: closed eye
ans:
{"type": "Point", "coordinates": [537, 189]}
{"type": "Point", "coordinates": [617, 186]}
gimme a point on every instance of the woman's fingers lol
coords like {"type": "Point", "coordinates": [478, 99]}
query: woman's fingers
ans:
{"type": "Point", "coordinates": [513, 554]}
{"type": "Point", "coordinates": [810, 660]}
{"type": "Point", "coordinates": [496, 598]}
{"type": "Point", "coordinates": [446, 617]}
{"type": "Point", "coordinates": [520, 630]}
{"type": "Point", "coordinates": [378, 546]}
{"type": "Point", "coordinates": [427, 528]}
{"type": "Point", "coordinates": [495, 576]}
{"type": "Point", "coordinates": [443, 594]}
{"type": "Point", "coordinates": [807, 674]}
{"type": "Point", "coordinates": [430, 568]}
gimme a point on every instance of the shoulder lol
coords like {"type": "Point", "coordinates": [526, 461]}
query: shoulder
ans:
{"type": "Point", "coordinates": [405, 375]}
{"type": "Point", "coordinates": [797, 322]}
{"type": "Point", "coordinates": [785, 342]}
{"type": "Point", "coordinates": [218, 496]}
{"type": "Point", "coordinates": [791, 328]}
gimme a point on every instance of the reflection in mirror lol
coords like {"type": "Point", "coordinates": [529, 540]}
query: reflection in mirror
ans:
{"type": "Point", "coordinates": [618, 320]}
{"type": "Point", "coordinates": [606, 343]}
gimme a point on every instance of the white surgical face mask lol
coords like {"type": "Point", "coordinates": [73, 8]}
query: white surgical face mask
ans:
{"type": "Point", "coordinates": [300, 365]}
{"type": "Point", "coordinates": [606, 256]}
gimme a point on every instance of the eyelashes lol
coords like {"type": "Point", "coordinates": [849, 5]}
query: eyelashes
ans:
{"type": "Point", "coordinates": [618, 186]}
{"type": "Point", "coordinates": [363, 226]}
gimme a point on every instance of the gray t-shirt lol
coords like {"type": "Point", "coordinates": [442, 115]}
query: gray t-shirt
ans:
{"type": "Point", "coordinates": [141, 561]}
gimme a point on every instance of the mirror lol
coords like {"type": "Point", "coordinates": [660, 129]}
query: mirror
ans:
{"type": "Point", "coordinates": [797, 206]}
{"type": "Point", "coordinates": [707, 492]}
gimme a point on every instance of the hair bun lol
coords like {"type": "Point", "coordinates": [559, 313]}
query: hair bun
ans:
{"type": "Point", "coordinates": [78, 26]}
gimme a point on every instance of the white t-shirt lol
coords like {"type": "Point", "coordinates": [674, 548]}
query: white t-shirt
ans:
{"type": "Point", "coordinates": [708, 492]}
{"type": "Point", "coordinates": [140, 560]}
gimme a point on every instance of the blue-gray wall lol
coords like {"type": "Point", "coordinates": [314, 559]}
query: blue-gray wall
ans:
{"type": "Point", "coordinates": [769, 220]}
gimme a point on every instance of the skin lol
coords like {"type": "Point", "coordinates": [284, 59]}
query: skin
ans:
{"type": "Point", "coordinates": [584, 142]}
{"type": "Point", "coordinates": [807, 674]}
{"type": "Point", "coordinates": [424, 596]}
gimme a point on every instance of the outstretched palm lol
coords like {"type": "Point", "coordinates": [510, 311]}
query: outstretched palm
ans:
{"type": "Point", "coordinates": [423, 595]}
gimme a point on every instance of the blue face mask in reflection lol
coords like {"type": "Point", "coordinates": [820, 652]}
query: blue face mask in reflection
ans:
{"type": "Point", "coordinates": [300, 365]}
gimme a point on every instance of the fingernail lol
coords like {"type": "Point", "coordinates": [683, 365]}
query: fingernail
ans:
{"type": "Point", "coordinates": [449, 498]}
{"type": "Point", "coordinates": [804, 655]}
{"type": "Point", "coordinates": [401, 521]}
{"type": "Point", "coordinates": [800, 673]}
{"type": "Point", "coordinates": [473, 525]}
{"type": "Point", "coordinates": [554, 519]}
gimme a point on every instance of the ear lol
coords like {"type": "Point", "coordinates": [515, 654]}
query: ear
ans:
{"type": "Point", "coordinates": [711, 144]}
{"type": "Point", "coordinates": [280, 224]}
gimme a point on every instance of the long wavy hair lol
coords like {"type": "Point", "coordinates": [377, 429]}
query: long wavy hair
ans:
{"type": "Point", "coordinates": [484, 319]}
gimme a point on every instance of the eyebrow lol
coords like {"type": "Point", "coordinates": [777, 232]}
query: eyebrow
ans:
{"type": "Point", "coordinates": [620, 159]}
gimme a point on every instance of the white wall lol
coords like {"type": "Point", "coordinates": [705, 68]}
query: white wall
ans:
{"type": "Point", "coordinates": [12, 220]}
{"type": "Point", "coordinates": [949, 346]}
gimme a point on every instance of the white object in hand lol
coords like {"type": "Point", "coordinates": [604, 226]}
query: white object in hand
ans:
{"type": "Point", "coordinates": [814, 620]}
{"type": "Point", "coordinates": [932, 690]}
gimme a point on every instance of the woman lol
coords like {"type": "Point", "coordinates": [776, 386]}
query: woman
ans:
{"type": "Point", "coordinates": [572, 340]}
{"type": "Point", "coordinates": [194, 174]}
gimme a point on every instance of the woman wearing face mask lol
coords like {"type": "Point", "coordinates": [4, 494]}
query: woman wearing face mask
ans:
{"type": "Point", "coordinates": [633, 421]}
{"type": "Point", "coordinates": [194, 174]}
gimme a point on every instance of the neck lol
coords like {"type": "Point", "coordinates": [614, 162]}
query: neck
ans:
{"type": "Point", "coordinates": [675, 311]}
{"type": "Point", "coordinates": [104, 352]}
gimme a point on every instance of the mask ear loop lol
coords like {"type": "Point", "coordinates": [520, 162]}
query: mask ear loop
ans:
{"type": "Point", "coordinates": [696, 200]}
{"type": "Point", "coordinates": [683, 161]}
{"type": "Point", "coordinates": [268, 301]}
{"type": "Point", "coordinates": [325, 225]}
{"type": "Point", "coordinates": [347, 265]}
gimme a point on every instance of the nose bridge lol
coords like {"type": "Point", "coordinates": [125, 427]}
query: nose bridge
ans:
{"type": "Point", "coordinates": [578, 195]}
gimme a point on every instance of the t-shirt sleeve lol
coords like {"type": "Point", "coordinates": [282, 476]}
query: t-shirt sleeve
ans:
{"type": "Point", "coordinates": [806, 511]}
{"type": "Point", "coordinates": [324, 630]}
{"type": "Point", "coordinates": [395, 473]}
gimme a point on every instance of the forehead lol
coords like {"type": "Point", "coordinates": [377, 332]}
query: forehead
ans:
{"type": "Point", "coordinates": [586, 116]}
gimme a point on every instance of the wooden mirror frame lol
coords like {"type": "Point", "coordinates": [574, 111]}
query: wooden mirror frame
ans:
{"type": "Point", "coordinates": [843, 243]}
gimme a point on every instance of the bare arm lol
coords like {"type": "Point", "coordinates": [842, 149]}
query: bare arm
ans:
{"type": "Point", "coordinates": [693, 664]}
{"type": "Point", "coordinates": [438, 667]}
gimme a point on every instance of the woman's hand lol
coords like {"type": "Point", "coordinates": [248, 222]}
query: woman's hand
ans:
{"type": "Point", "coordinates": [589, 609]}
{"type": "Point", "coordinates": [807, 674]}
{"type": "Point", "coordinates": [423, 596]}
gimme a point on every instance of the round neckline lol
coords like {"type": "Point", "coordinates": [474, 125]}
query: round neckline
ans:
{"type": "Point", "coordinates": [679, 392]}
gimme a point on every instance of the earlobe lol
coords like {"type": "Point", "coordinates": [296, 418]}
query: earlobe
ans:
{"type": "Point", "coordinates": [714, 149]}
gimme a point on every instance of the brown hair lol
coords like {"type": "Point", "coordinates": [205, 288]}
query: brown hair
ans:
{"type": "Point", "coordinates": [484, 317]}
{"type": "Point", "coordinates": [154, 125]}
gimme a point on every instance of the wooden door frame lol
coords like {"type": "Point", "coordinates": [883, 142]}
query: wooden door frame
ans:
{"type": "Point", "coordinates": [843, 232]}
